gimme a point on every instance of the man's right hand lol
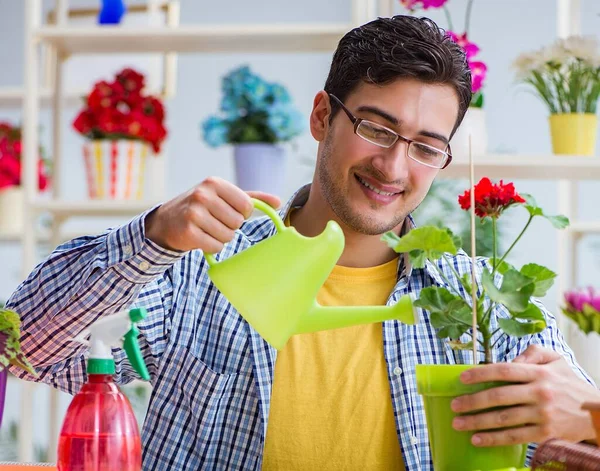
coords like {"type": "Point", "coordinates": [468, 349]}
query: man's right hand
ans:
{"type": "Point", "coordinates": [203, 218]}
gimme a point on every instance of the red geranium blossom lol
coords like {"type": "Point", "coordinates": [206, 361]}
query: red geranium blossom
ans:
{"type": "Point", "coordinates": [10, 159]}
{"type": "Point", "coordinates": [490, 198]}
{"type": "Point", "coordinates": [119, 110]}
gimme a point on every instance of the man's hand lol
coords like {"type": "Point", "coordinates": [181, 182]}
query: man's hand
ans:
{"type": "Point", "coordinates": [204, 218]}
{"type": "Point", "coordinates": [545, 404]}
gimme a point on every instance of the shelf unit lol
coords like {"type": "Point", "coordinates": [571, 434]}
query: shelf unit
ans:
{"type": "Point", "coordinates": [67, 40]}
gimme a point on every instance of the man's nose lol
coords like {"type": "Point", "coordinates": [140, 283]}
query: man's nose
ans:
{"type": "Point", "coordinates": [394, 163]}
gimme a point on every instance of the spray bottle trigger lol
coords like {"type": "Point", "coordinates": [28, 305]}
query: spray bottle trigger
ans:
{"type": "Point", "coordinates": [134, 353]}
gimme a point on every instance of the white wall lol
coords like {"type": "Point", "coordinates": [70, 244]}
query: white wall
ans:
{"type": "Point", "coordinates": [517, 121]}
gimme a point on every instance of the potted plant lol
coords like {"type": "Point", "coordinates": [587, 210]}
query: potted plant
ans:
{"type": "Point", "coordinates": [256, 116]}
{"type": "Point", "coordinates": [473, 124]}
{"type": "Point", "coordinates": [123, 126]}
{"type": "Point", "coordinates": [582, 306]}
{"type": "Point", "coordinates": [503, 304]}
{"type": "Point", "coordinates": [10, 350]}
{"type": "Point", "coordinates": [11, 191]}
{"type": "Point", "coordinates": [566, 76]}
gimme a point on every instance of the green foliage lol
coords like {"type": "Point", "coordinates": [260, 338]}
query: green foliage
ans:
{"type": "Point", "coordinates": [502, 284]}
{"type": "Point", "coordinates": [10, 346]}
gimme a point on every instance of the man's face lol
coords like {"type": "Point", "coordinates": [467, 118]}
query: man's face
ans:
{"type": "Point", "coordinates": [352, 173]}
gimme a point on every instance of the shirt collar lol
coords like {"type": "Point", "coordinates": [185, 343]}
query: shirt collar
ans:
{"type": "Point", "coordinates": [299, 199]}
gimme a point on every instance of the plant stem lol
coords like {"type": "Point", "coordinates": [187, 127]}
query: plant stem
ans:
{"type": "Point", "coordinates": [466, 288]}
{"type": "Point", "coordinates": [468, 15]}
{"type": "Point", "coordinates": [516, 240]}
{"type": "Point", "coordinates": [487, 348]}
{"type": "Point", "coordinates": [445, 278]}
{"type": "Point", "coordinates": [448, 18]}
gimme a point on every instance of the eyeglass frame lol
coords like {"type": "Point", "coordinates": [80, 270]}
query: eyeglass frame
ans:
{"type": "Point", "coordinates": [357, 121]}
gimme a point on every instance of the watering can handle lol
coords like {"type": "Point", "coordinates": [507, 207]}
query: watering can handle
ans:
{"type": "Point", "coordinates": [265, 208]}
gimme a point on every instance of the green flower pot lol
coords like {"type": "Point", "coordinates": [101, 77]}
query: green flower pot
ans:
{"type": "Point", "coordinates": [452, 450]}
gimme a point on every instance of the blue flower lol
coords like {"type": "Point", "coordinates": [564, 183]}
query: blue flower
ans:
{"type": "Point", "coordinates": [215, 131]}
{"type": "Point", "coordinates": [256, 93]}
{"type": "Point", "coordinates": [279, 93]}
{"type": "Point", "coordinates": [252, 110]}
{"type": "Point", "coordinates": [285, 121]}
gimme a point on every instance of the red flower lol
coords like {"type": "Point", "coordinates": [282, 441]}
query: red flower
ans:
{"type": "Point", "coordinates": [490, 199]}
{"type": "Point", "coordinates": [10, 159]}
{"type": "Point", "coordinates": [119, 110]}
{"type": "Point", "coordinates": [131, 80]}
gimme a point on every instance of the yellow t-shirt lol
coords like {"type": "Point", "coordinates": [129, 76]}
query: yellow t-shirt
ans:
{"type": "Point", "coordinates": [331, 406]}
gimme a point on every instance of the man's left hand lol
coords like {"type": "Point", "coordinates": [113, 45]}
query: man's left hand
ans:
{"type": "Point", "coordinates": [545, 403]}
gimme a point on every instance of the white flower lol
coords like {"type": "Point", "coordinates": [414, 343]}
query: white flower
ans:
{"type": "Point", "coordinates": [526, 63]}
{"type": "Point", "coordinates": [581, 47]}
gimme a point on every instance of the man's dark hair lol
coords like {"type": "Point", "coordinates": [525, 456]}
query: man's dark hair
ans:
{"type": "Point", "coordinates": [386, 49]}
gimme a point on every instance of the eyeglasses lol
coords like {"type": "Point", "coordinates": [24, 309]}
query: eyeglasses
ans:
{"type": "Point", "coordinates": [385, 137]}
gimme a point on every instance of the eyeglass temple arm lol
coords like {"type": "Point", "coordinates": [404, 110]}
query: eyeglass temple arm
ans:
{"type": "Point", "coordinates": [346, 110]}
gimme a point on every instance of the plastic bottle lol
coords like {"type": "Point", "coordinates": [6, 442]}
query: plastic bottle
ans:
{"type": "Point", "coordinates": [100, 431]}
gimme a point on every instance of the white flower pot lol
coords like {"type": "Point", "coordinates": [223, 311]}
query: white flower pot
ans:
{"type": "Point", "coordinates": [473, 125]}
{"type": "Point", "coordinates": [587, 350]}
{"type": "Point", "coordinates": [11, 210]}
{"type": "Point", "coordinates": [116, 169]}
{"type": "Point", "coordinates": [260, 167]}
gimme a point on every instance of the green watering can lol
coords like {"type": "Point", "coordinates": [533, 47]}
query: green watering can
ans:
{"type": "Point", "coordinates": [274, 284]}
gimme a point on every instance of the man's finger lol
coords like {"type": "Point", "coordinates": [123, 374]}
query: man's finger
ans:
{"type": "Point", "coordinates": [537, 355]}
{"type": "Point", "coordinates": [500, 396]}
{"type": "Point", "coordinates": [505, 417]}
{"type": "Point", "coordinates": [511, 436]}
{"type": "Point", "coordinates": [510, 372]}
{"type": "Point", "coordinates": [268, 198]}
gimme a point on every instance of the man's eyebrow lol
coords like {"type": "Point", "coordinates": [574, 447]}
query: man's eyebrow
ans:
{"type": "Point", "coordinates": [380, 112]}
{"type": "Point", "coordinates": [434, 135]}
{"type": "Point", "coordinates": [395, 121]}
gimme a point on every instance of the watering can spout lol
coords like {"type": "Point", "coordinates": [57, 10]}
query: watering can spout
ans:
{"type": "Point", "coordinates": [335, 317]}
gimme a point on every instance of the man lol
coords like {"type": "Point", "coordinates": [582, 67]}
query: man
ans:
{"type": "Point", "coordinates": [341, 399]}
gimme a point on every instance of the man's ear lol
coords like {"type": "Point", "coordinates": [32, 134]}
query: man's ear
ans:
{"type": "Point", "coordinates": [319, 116]}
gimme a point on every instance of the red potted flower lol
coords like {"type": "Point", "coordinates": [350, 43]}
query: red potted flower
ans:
{"type": "Point", "coordinates": [503, 307]}
{"type": "Point", "coordinates": [123, 127]}
{"type": "Point", "coordinates": [11, 191]}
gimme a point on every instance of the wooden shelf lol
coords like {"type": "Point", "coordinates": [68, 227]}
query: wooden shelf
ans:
{"type": "Point", "coordinates": [12, 97]}
{"type": "Point", "coordinates": [281, 37]}
{"type": "Point", "coordinates": [527, 167]}
{"type": "Point", "coordinates": [90, 208]}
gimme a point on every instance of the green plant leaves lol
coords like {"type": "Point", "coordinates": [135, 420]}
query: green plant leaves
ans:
{"type": "Point", "coordinates": [518, 329]}
{"type": "Point", "coordinates": [458, 345]}
{"type": "Point", "coordinates": [515, 291]}
{"type": "Point", "coordinates": [559, 221]}
{"type": "Point", "coordinates": [449, 313]}
{"type": "Point", "coordinates": [422, 243]}
{"type": "Point", "coordinates": [10, 346]}
{"type": "Point", "coordinates": [588, 320]}
{"type": "Point", "coordinates": [542, 276]}
{"type": "Point", "coordinates": [435, 299]}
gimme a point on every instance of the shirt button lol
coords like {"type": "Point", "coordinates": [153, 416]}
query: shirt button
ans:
{"type": "Point", "coordinates": [413, 440]}
{"type": "Point", "coordinates": [144, 266]}
{"type": "Point", "coordinates": [397, 371]}
{"type": "Point", "coordinates": [127, 249]}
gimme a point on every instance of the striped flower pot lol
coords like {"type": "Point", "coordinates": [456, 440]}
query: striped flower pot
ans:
{"type": "Point", "coordinates": [115, 170]}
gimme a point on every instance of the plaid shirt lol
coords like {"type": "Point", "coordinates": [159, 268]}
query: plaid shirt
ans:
{"type": "Point", "coordinates": [211, 373]}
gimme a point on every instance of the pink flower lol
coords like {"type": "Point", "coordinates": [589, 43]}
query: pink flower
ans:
{"type": "Point", "coordinates": [576, 299]}
{"type": "Point", "coordinates": [424, 4]}
{"type": "Point", "coordinates": [478, 73]}
{"type": "Point", "coordinates": [471, 49]}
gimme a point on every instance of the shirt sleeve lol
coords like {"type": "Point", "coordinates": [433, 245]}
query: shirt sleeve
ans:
{"type": "Point", "coordinates": [87, 278]}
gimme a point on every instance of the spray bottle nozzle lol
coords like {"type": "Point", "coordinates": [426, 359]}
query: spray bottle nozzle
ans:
{"type": "Point", "coordinates": [116, 331]}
